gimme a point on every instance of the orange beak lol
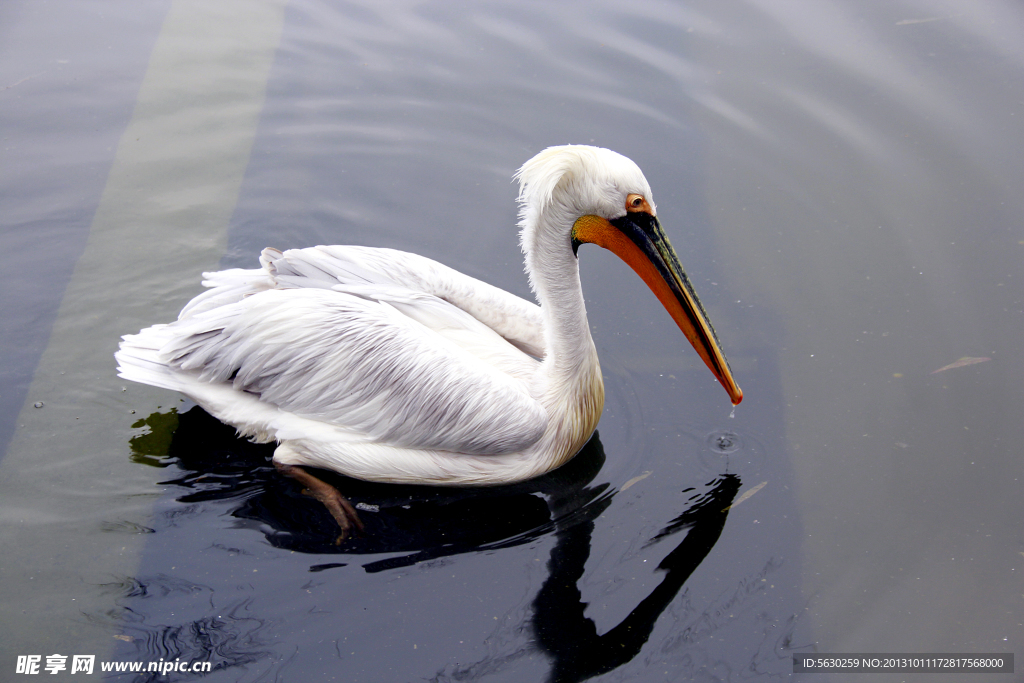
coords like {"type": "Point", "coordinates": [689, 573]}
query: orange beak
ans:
{"type": "Point", "coordinates": [638, 240]}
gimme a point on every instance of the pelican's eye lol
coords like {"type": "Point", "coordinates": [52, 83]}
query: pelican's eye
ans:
{"type": "Point", "coordinates": [636, 202]}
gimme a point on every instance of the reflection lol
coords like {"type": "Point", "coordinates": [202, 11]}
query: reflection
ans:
{"type": "Point", "coordinates": [157, 441]}
{"type": "Point", "coordinates": [418, 523]}
{"type": "Point", "coordinates": [414, 524]}
{"type": "Point", "coordinates": [559, 621]}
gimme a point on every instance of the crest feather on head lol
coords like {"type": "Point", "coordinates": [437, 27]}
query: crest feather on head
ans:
{"type": "Point", "coordinates": [539, 176]}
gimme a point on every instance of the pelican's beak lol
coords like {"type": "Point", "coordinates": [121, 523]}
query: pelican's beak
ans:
{"type": "Point", "coordinates": [638, 240]}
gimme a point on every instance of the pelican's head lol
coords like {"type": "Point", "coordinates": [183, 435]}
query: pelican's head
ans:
{"type": "Point", "coordinates": [575, 194]}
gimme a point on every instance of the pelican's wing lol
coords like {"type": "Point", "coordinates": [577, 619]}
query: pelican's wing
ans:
{"type": "Point", "coordinates": [356, 361]}
{"type": "Point", "coordinates": [517, 320]}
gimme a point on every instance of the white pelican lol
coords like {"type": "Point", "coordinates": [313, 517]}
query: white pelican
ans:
{"type": "Point", "coordinates": [388, 366]}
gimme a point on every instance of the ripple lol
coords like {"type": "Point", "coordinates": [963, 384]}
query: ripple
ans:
{"type": "Point", "coordinates": [724, 442]}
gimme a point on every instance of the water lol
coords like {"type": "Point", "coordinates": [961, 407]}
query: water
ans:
{"type": "Point", "coordinates": [840, 180]}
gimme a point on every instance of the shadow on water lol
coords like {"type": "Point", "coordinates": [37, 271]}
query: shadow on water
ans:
{"type": "Point", "coordinates": [418, 524]}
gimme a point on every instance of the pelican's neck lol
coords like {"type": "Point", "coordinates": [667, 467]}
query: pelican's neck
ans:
{"type": "Point", "coordinates": [569, 383]}
{"type": "Point", "coordinates": [555, 276]}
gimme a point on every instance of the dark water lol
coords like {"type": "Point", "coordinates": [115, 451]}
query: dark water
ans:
{"type": "Point", "coordinates": [840, 179]}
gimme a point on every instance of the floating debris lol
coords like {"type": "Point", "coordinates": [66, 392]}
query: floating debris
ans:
{"type": "Point", "coordinates": [908, 22]}
{"type": "Point", "coordinates": [966, 360]}
{"type": "Point", "coordinates": [368, 507]}
{"type": "Point", "coordinates": [126, 639]}
{"type": "Point", "coordinates": [635, 480]}
{"type": "Point", "coordinates": [746, 494]}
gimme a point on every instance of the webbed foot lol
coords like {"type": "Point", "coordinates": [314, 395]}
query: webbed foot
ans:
{"type": "Point", "coordinates": [339, 507]}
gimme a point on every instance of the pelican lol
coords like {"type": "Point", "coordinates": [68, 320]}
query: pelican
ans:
{"type": "Point", "coordinates": [387, 366]}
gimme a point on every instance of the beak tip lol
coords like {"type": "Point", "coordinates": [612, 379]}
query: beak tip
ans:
{"type": "Point", "coordinates": [736, 397]}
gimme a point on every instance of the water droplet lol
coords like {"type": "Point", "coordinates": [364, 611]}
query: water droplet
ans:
{"type": "Point", "coordinates": [38, 404]}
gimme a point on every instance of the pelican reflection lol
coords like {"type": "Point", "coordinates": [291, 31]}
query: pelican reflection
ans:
{"type": "Point", "coordinates": [559, 622]}
{"type": "Point", "coordinates": [415, 524]}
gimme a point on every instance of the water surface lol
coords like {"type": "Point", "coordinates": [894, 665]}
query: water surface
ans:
{"type": "Point", "coordinates": [839, 179]}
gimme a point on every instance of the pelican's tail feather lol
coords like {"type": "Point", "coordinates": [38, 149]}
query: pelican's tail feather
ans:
{"type": "Point", "coordinates": [139, 359]}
